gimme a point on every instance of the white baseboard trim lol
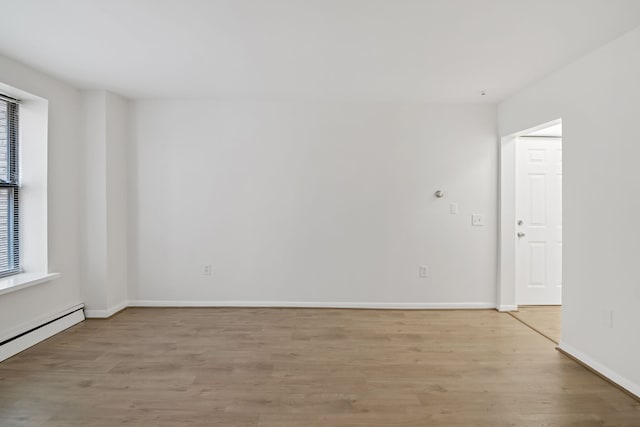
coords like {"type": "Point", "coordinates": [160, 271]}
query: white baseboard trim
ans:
{"type": "Point", "coordinates": [33, 337]}
{"type": "Point", "coordinates": [309, 304]}
{"type": "Point", "coordinates": [505, 308]}
{"type": "Point", "coordinates": [103, 314]}
{"type": "Point", "coordinates": [601, 369]}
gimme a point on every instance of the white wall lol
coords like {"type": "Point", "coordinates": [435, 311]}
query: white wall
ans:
{"type": "Point", "coordinates": [117, 135]}
{"type": "Point", "coordinates": [312, 203]}
{"type": "Point", "coordinates": [598, 99]}
{"type": "Point", "coordinates": [93, 257]}
{"type": "Point", "coordinates": [22, 308]}
{"type": "Point", "coordinates": [104, 249]}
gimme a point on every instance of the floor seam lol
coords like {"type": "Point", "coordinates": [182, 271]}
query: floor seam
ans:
{"type": "Point", "coordinates": [533, 328]}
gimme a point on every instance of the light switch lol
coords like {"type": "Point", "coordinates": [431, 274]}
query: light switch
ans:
{"type": "Point", "coordinates": [477, 220]}
{"type": "Point", "coordinates": [453, 208]}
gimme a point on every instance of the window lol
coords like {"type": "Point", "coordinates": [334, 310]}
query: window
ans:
{"type": "Point", "coordinates": [9, 187]}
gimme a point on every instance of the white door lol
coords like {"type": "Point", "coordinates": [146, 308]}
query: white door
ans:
{"type": "Point", "coordinates": [539, 221]}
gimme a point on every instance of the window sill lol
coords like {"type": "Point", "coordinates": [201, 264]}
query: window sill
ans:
{"type": "Point", "coordinates": [24, 280]}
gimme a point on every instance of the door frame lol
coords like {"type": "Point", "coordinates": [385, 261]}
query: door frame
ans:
{"type": "Point", "coordinates": [507, 258]}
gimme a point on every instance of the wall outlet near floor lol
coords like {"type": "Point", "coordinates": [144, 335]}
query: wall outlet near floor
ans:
{"type": "Point", "coordinates": [424, 271]}
{"type": "Point", "coordinates": [206, 270]}
{"type": "Point", "coordinates": [477, 220]}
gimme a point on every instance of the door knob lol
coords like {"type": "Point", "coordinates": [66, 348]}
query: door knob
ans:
{"type": "Point", "coordinates": [521, 234]}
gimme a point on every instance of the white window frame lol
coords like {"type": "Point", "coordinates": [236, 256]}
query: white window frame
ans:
{"type": "Point", "coordinates": [33, 211]}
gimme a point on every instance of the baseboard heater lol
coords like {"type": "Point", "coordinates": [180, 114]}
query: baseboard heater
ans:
{"type": "Point", "coordinates": [40, 331]}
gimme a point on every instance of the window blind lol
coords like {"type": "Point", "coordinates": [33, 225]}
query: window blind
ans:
{"type": "Point", "coordinates": [9, 187]}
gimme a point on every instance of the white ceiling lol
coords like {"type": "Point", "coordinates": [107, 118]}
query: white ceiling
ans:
{"type": "Point", "coordinates": [382, 50]}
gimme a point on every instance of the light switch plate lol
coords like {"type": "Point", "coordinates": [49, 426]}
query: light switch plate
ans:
{"type": "Point", "coordinates": [453, 208]}
{"type": "Point", "coordinates": [477, 220]}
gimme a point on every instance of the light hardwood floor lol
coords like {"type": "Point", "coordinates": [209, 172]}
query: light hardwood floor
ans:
{"type": "Point", "coordinates": [545, 319]}
{"type": "Point", "coordinates": [304, 367]}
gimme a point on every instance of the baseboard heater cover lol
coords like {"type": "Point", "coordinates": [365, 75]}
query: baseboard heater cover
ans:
{"type": "Point", "coordinates": [22, 341]}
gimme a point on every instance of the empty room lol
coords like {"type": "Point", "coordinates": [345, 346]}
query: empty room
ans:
{"type": "Point", "coordinates": [319, 213]}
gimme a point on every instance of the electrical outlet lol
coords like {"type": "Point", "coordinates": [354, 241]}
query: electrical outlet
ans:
{"type": "Point", "coordinates": [477, 220]}
{"type": "Point", "coordinates": [424, 271]}
{"type": "Point", "coordinates": [206, 270]}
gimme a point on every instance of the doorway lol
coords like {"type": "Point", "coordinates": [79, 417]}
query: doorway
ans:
{"type": "Point", "coordinates": [531, 228]}
{"type": "Point", "coordinates": [539, 217]}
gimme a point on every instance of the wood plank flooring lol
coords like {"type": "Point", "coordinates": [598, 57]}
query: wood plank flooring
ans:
{"type": "Point", "coordinates": [546, 319]}
{"type": "Point", "coordinates": [304, 367]}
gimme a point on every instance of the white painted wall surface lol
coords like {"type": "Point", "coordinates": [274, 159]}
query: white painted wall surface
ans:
{"type": "Point", "coordinates": [117, 133]}
{"type": "Point", "coordinates": [312, 203]}
{"type": "Point", "coordinates": [93, 256]}
{"type": "Point", "coordinates": [22, 308]}
{"type": "Point", "coordinates": [104, 250]}
{"type": "Point", "coordinates": [598, 99]}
